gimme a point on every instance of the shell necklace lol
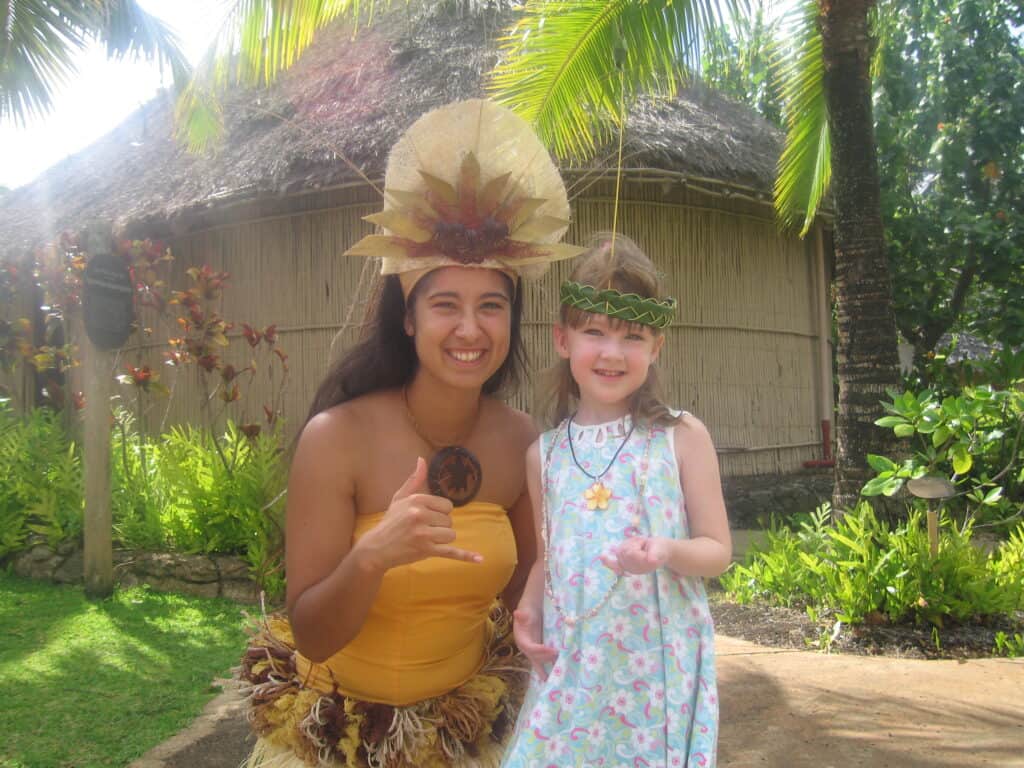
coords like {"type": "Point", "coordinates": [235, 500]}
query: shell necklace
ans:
{"type": "Point", "coordinates": [597, 495]}
{"type": "Point", "coordinates": [571, 619]}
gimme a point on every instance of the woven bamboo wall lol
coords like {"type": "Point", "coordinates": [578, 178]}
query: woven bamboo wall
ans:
{"type": "Point", "coordinates": [741, 355]}
{"type": "Point", "coordinates": [17, 385]}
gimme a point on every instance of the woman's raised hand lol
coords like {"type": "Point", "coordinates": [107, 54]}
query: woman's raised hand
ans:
{"type": "Point", "coordinates": [417, 525]}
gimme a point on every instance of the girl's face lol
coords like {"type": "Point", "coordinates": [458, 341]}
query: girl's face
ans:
{"type": "Point", "coordinates": [609, 360]}
{"type": "Point", "coordinates": [461, 324]}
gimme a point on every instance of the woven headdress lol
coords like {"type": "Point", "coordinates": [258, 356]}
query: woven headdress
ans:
{"type": "Point", "coordinates": [469, 184]}
{"type": "Point", "coordinates": [629, 307]}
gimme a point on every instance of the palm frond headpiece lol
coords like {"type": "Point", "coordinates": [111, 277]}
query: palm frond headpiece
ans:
{"type": "Point", "coordinates": [469, 184]}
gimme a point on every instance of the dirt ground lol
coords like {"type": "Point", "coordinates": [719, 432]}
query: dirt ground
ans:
{"type": "Point", "coordinates": [881, 701]}
{"type": "Point", "coordinates": [800, 709]}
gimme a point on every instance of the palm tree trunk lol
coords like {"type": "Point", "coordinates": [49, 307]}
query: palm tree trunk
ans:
{"type": "Point", "coordinates": [866, 351]}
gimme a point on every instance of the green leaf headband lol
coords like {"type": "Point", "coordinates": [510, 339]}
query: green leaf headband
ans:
{"type": "Point", "coordinates": [629, 307]}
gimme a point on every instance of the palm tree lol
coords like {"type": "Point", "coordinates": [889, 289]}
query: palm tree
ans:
{"type": "Point", "coordinates": [39, 38]}
{"type": "Point", "coordinates": [559, 73]}
{"type": "Point", "coordinates": [866, 349]}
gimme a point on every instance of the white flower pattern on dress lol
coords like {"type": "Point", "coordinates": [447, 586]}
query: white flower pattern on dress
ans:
{"type": "Point", "coordinates": [635, 685]}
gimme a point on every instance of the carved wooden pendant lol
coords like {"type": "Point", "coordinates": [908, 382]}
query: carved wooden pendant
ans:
{"type": "Point", "coordinates": [455, 474]}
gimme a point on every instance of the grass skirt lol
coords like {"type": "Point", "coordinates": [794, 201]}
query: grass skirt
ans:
{"type": "Point", "coordinates": [301, 726]}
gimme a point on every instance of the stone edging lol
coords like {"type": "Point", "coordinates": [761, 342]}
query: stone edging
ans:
{"type": "Point", "coordinates": [200, 575]}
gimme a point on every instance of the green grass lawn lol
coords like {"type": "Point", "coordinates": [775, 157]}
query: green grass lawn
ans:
{"type": "Point", "coordinates": [97, 683]}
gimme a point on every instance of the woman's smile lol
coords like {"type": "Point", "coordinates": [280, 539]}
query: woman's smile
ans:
{"type": "Point", "coordinates": [467, 356]}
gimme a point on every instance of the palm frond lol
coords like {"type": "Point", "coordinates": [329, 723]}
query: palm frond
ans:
{"type": "Point", "coordinates": [563, 61]}
{"type": "Point", "coordinates": [257, 41]}
{"type": "Point", "coordinates": [805, 168]}
{"type": "Point", "coordinates": [128, 30]}
{"type": "Point", "coordinates": [38, 40]}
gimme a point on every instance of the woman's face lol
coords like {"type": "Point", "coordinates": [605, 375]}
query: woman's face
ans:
{"type": "Point", "coordinates": [461, 324]}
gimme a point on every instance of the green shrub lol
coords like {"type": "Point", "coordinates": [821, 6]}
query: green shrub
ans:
{"type": "Point", "coordinates": [1009, 645]}
{"type": "Point", "coordinates": [860, 569]}
{"type": "Point", "coordinates": [177, 493]}
{"type": "Point", "coordinates": [138, 494]}
{"type": "Point", "coordinates": [974, 438]}
{"type": "Point", "coordinates": [1008, 564]}
{"type": "Point", "coordinates": [41, 481]}
{"type": "Point", "coordinates": [184, 493]}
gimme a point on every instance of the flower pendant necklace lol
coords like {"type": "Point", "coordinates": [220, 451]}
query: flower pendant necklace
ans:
{"type": "Point", "coordinates": [639, 509]}
{"type": "Point", "coordinates": [598, 494]}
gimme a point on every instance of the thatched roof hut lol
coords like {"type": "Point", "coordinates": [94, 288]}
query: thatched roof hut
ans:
{"type": "Point", "coordinates": [279, 198]}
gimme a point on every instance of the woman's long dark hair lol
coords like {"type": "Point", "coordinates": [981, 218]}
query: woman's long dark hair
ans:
{"type": "Point", "coordinates": [385, 357]}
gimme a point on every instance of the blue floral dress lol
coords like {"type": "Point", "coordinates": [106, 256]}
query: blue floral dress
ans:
{"type": "Point", "coordinates": [634, 683]}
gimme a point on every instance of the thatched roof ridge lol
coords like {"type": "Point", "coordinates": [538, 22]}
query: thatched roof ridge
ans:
{"type": "Point", "coordinates": [345, 97]}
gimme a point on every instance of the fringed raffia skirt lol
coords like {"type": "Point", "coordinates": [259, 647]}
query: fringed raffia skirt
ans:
{"type": "Point", "coordinates": [301, 726]}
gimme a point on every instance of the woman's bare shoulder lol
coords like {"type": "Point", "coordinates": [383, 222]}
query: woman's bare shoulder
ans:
{"type": "Point", "coordinates": [332, 429]}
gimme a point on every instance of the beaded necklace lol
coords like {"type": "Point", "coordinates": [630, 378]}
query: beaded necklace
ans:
{"type": "Point", "coordinates": [571, 619]}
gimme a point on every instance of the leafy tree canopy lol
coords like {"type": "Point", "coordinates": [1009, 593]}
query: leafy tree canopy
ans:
{"type": "Point", "coordinates": [949, 108]}
{"type": "Point", "coordinates": [949, 123]}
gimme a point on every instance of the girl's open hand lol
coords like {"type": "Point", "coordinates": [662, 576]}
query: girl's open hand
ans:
{"type": "Point", "coordinates": [637, 555]}
{"type": "Point", "coordinates": [528, 634]}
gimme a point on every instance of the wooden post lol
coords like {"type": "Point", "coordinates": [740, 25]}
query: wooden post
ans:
{"type": "Point", "coordinates": [98, 550]}
{"type": "Point", "coordinates": [97, 364]}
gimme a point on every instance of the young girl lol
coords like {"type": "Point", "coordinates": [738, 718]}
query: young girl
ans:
{"type": "Point", "coordinates": [630, 516]}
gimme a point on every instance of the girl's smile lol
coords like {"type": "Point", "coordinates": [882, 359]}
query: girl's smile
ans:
{"type": "Point", "coordinates": [609, 360]}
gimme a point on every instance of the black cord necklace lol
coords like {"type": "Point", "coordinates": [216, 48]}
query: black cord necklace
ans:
{"type": "Point", "coordinates": [597, 495]}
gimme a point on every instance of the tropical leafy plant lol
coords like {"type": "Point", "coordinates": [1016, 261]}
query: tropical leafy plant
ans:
{"type": "Point", "coordinates": [185, 498]}
{"type": "Point", "coordinates": [973, 438]}
{"type": "Point", "coordinates": [172, 493]}
{"type": "Point", "coordinates": [569, 67]}
{"type": "Point", "coordinates": [41, 485]}
{"type": "Point", "coordinates": [1009, 645]}
{"type": "Point", "coordinates": [862, 570]}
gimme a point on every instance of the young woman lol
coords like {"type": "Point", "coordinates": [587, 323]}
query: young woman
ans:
{"type": "Point", "coordinates": [407, 513]}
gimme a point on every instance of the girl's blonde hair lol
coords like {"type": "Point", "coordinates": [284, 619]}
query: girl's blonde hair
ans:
{"type": "Point", "coordinates": [629, 270]}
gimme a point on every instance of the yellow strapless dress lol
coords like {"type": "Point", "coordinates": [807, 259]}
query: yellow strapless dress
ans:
{"type": "Point", "coordinates": [433, 679]}
{"type": "Point", "coordinates": [427, 630]}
